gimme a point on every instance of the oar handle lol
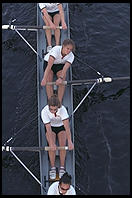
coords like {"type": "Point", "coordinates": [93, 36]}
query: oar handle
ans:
{"type": "Point", "coordinates": [48, 27]}
{"type": "Point", "coordinates": [54, 83]}
{"type": "Point", "coordinates": [47, 148]}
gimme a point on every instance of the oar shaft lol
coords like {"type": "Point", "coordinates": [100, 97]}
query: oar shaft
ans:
{"type": "Point", "coordinates": [90, 81]}
{"type": "Point", "coordinates": [74, 82]}
{"type": "Point", "coordinates": [121, 78]}
{"type": "Point", "coordinates": [36, 149]}
{"type": "Point", "coordinates": [23, 27]}
{"type": "Point", "coordinates": [26, 167]}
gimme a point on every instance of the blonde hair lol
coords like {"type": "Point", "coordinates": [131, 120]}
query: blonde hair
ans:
{"type": "Point", "coordinates": [54, 101]}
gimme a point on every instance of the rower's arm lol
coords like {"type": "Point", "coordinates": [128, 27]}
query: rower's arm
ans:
{"type": "Point", "coordinates": [49, 135]}
{"type": "Point", "coordinates": [48, 68]}
{"type": "Point", "coordinates": [65, 68]}
{"type": "Point", "coordinates": [64, 26]}
{"type": "Point", "coordinates": [46, 15]}
{"type": "Point", "coordinates": [68, 134]}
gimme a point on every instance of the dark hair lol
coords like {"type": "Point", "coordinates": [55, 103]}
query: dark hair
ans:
{"type": "Point", "coordinates": [69, 42]}
{"type": "Point", "coordinates": [54, 101]}
{"type": "Point", "coordinates": [66, 179]}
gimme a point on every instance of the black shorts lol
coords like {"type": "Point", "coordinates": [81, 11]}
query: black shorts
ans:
{"type": "Point", "coordinates": [52, 14]}
{"type": "Point", "coordinates": [56, 130]}
{"type": "Point", "coordinates": [55, 67]}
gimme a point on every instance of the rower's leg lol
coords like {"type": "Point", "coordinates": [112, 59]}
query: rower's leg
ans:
{"type": "Point", "coordinates": [49, 88]}
{"type": "Point", "coordinates": [48, 31]}
{"type": "Point", "coordinates": [61, 88]}
{"type": "Point", "coordinates": [62, 142]}
{"type": "Point", "coordinates": [52, 154]}
{"type": "Point", "coordinates": [56, 21]}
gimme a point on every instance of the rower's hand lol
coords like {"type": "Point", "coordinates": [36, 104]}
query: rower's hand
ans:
{"type": "Point", "coordinates": [43, 82]}
{"type": "Point", "coordinates": [52, 26]}
{"type": "Point", "coordinates": [64, 26]}
{"type": "Point", "coordinates": [53, 147]}
{"type": "Point", "coordinates": [59, 81]}
{"type": "Point", "coordinates": [70, 145]}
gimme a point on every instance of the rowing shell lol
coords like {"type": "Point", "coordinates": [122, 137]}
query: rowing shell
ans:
{"type": "Point", "coordinates": [42, 101]}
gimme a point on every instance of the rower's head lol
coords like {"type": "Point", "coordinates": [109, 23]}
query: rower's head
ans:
{"type": "Point", "coordinates": [68, 46]}
{"type": "Point", "coordinates": [54, 103]}
{"type": "Point", "coordinates": [64, 183]}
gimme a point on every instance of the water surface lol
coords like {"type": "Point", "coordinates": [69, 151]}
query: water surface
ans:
{"type": "Point", "coordinates": [101, 32]}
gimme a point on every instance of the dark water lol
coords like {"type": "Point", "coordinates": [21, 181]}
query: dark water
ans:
{"type": "Point", "coordinates": [101, 32]}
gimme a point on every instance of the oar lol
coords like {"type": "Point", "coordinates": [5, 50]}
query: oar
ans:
{"type": "Point", "coordinates": [37, 149]}
{"type": "Point", "coordinates": [28, 27]}
{"type": "Point", "coordinates": [90, 81]}
{"type": "Point", "coordinates": [18, 159]}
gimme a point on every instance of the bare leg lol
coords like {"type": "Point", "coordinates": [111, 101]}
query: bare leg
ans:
{"type": "Point", "coordinates": [47, 31]}
{"type": "Point", "coordinates": [61, 88]}
{"type": "Point", "coordinates": [49, 88]}
{"type": "Point", "coordinates": [62, 142]}
{"type": "Point", "coordinates": [52, 154]}
{"type": "Point", "coordinates": [56, 20]}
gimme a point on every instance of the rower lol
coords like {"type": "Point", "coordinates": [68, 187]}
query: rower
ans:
{"type": "Point", "coordinates": [56, 121]}
{"type": "Point", "coordinates": [62, 187]}
{"type": "Point", "coordinates": [57, 62]}
{"type": "Point", "coordinates": [53, 14]}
